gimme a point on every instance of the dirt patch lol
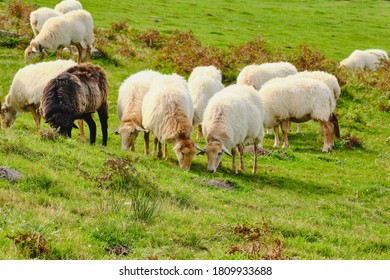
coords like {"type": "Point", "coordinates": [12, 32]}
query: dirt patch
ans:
{"type": "Point", "coordinates": [227, 185]}
{"type": "Point", "coordinates": [119, 250]}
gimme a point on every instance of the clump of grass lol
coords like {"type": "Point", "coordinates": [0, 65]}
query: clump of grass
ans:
{"type": "Point", "coordinates": [17, 17]}
{"type": "Point", "coordinates": [150, 38]}
{"type": "Point", "coordinates": [32, 245]}
{"type": "Point", "coordinates": [48, 134]}
{"type": "Point", "coordinates": [350, 142]}
{"type": "Point", "coordinates": [306, 58]}
{"type": "Point", "coordinates": [258, 243]}
{"type": "Point", "coordinates": [120, 174]}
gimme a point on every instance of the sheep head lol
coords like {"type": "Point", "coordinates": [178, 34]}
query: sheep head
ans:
{"type": "Point", "coordinates": [214, 151]}
{"type": "Point", "coordinates": [129, 134]}
{"type": "Point", "coordinates": [8, 116]}
{"type": "Point", "coordinates": [33, 50]}
{"type": "Point", "coordinates": [185, 151]}
{"type": "Point", "coordinates": [61, 122]}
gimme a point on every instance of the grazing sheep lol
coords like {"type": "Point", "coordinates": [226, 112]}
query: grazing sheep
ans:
{"type": "Point", "coordinates": [257, 75]}
{"type": "Point", "coordinates": [329, 79]}
{"type": "Point", "coordinates": [76, 94]}
{"type": "Point", "coordinates": [67, 6]}
{"type": "Point", "coordinates": [168, 111]}
{"type": "Point", "coordinates": [369, 59]}
{"type": "Point", "coordinates": [202, 88]}
{"type": "Point", "coordinates": [40, 16]}
{"type": "Point", "coordinates": [233, 117]}
{"type": "Point", "coordinates": [27, 87]}
{"type": "Point", "coordinates": [299, 100]}
{"type": "Point", "coordinates": [74, 28]}
{"type": "Point", "coordinates": [129, 107]}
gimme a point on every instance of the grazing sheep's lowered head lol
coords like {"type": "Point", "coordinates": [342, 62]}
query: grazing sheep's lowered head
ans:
{"type": "Point", "coordinates": [33, 50]}
{"type": "Point", "coordinates": [214, 151]}
{"type": "Point", "coordinates": [8, 115]}
{"type": "Point", "coordinates": [185, 150]}
{"type": "Point", "coordinates": [128, 133]}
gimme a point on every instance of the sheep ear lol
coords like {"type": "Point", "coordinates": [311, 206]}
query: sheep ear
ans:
{"type": "Point", "coordinates": [34, 50]}
{"type": "Point", "coordinates": [226, 151]}
{"type": "Point", "coordinates": [137, 127]}
{"type": "Point", "coordinates": [178, 146]}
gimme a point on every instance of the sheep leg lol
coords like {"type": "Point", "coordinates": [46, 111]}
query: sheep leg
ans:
{"type": "Point", "coordinates": [166, 156]}
{"type": "Point", "coordinates": [200, 133]}
{"type": "Point", "coordinates": [59, 52]}
{"type": "Point", "coordinates": [285, 127]}
{"type": "Point", "coordinates": [81, 127]}
{"type": "Point", "coordinates": [234, 165]}
{"type": "Point", "coordinates": [103, 118]}
{"type": "Point", "coordinates": [155, 142]}
{"type": "Point", "coordinates": [255, 152]}
{"type": "Point", "coordinates": [146, 141]}
{"type": "Point", "coordinates": [299, 128]}
{"type": "Point", "coordinates": [80, 51]}
{"type": "Point", "coordinates": [92, 128]}
{"type": "Point", "coordinates": [328, 134]}
{"type": "Point", "coordinates": [241, 152]}
{"type": "Point", "coordinates": [35, 114]}
{"type": "Point", "coordinates": [276, 133]}
{"type": "Point", "coordinates": [88, 53]}
{"type": "Point", "coordinates": [335, 122]}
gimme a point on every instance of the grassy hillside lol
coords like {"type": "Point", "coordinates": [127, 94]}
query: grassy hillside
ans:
{"type": "Point", "coordinates": [78, 201]}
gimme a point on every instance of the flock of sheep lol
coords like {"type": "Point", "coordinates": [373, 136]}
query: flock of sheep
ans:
{"type": "Point", "coordinates": [265, 96]}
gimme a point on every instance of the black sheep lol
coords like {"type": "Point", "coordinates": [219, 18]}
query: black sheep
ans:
{"type": "Point", "coordinates": [76, 94]}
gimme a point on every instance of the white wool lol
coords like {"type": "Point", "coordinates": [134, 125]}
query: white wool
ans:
{"type": "Point", "coordinates": [67, 6]}
{"type": "Point", "coordinates": [257, 75]}
{"type": "Point", "coordinates": [296, 98]}
{"type": "Point", "coordinates": [40, 16]}
{"type": "Point", "coordinates": [369, 59]}
{"type": "Point", "coordinates": [134, 88]}
{"type": "Point", "coordinates": [327, 78]}
{"type": "Point", "coordinates": [210, 71]}
{"type": "Point", "coordinates": [166, 94]}
{"type": "Point", "coordinates": [73, 27]}
{"type": "Point", "coordinates": [234, 116]}
{"type": "Point", "coordinates": [29, 82]}
{"type": "Point", "coordinates": [202, 88]}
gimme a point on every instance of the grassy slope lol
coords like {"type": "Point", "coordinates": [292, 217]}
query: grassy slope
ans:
{"type": "Point", "coordinates": [321, 206]}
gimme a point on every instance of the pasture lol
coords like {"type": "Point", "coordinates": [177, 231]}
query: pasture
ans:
{"type": "Point", "coordinates": [80, 201]}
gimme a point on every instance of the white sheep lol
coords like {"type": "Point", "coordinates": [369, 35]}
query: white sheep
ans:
{"type": "Point", "coordinates": [257, 75]}
{"type": "Point", "coordinates": [210, 71]}
{"type": "Point", "coordinates": [202, 88]}
{"type": "Point", "coordinates": [129, 107]}
{"type": "Point", "coordinates": [329, 79]}
{"type": "Point", "coordinates": [167, 111]}
{"type": "Point", "coordinates": [233, 118]}
{"type": "Point", "coordinates": [299, 100]}
{"type": "Point", "coordinates": [369, 59]}
{"type": "Point", "coordinates": [67, 6]}
{"type": "Point", "coordinates": [74, 28]}
{"type": "Point", "coordinates": [40, 16]}
{"type": "Point", "coordinates": [27, 87]}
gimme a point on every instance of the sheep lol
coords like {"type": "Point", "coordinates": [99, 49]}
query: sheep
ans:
{"type": "Point", "coordinates": [74, 28]}
{"type": "Point", "coordinates": [329, 79]}
{"type": "Point", "coordinates": [299, 100]}
{"type": "Point", "coordinates": [168, 111]}
{"type": "Point", "coordinates": [67, 6]}
{"type": "Point", "coordinates": [369, 59]}
{"type": "Point", "coordinates": [40, 16]}
{"type": "Point", "coordinates": [202, 88]}
{"type": "Point", "coordinates": [75, 94]}
{"type": "Point", "coordinates": [129, 105]}
{"type": "Point", "coordinates": [257, 75]}
{"type": "Point", "coordinates": [233, 118]}
{"type": "Point", "coordinates": [27, 87]}
{"type": "Point", "coordinates": [210, 71]}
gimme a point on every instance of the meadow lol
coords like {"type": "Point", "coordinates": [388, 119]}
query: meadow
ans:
{"type": "Point", "coordinates": [80, 201]}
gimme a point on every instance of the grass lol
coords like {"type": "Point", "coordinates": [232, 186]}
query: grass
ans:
{"type": "Point", "coordinates": [81, 201]}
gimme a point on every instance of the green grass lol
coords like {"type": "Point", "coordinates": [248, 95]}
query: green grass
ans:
{"type": "Point", "coordinates": [74, 204]}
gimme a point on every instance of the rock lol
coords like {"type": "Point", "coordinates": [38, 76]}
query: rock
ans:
{"type": "Point", "coordinates": [10, 174]}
